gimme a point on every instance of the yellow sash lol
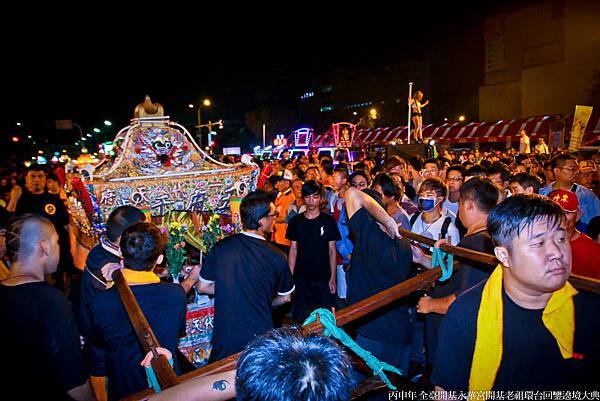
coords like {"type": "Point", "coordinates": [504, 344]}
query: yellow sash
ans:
{"type": "Point", "coordinates": [140, 277]}
{"type": "Point", "coordinates": [558, 317]}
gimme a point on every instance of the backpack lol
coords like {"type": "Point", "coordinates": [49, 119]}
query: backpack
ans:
{"type": "Point", "coordinates": [445, 225]}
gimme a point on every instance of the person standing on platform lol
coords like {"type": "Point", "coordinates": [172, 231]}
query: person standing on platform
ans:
{"type": "Point", "coordinates": [541, 148]}
{"type": "Point", "coordinates": [524, 147]}
{"type": "Point", "coordinates": [417, 115]}
{"type": "Point", "coordinates": [285, 197]}
{"type": "Point", "coordinates": [312, 257]}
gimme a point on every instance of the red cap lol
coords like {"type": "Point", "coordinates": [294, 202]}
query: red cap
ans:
{"type": "Point", "coordinates": [566, 199]}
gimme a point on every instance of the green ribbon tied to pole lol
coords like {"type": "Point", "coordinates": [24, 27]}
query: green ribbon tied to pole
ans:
{"type": "Point", "coordinates": [327, 319]}
{"type": "Point", "coordinates": [439, 259]}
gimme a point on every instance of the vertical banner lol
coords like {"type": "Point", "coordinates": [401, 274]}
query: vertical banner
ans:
{"type": "Point", "coordinates": [234, 205]}
{"type": "Point", "coordinates": [580, 121]}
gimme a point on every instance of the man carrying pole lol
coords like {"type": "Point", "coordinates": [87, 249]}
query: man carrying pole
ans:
{"type": "Point", "coordinates": [524, 328]}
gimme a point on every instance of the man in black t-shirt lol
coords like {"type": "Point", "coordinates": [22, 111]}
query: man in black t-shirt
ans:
{"type": "Point", "coordinates": [379, 261]}
{"type": "Point", "coordinates": [313, 254]}
{"type": "Point", "coordinates": [39, 335]}
{"type": "Point", "coordinates": [478, 196]}
{"type": "Point", "coordinates": [248, 276]}
{"type": "Point", "coordinates": [525, 327]}
{"type": "Point", "coordinates": [36, 200]}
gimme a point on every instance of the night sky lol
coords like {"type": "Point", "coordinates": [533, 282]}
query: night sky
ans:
{"type": "Point", "coordinates": [89, 72]}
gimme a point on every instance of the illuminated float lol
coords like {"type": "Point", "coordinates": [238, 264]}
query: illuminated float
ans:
{"type": "Point", "coordinates": [159, 168]}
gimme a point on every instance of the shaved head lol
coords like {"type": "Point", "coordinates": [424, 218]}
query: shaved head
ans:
{"type": "Point", "coordinates": [24, 234]}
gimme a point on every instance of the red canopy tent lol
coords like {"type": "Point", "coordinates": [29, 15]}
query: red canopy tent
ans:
{"type": "Point", "coordinates": [483, 132]}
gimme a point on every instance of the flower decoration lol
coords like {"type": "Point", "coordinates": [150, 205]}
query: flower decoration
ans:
{"type": "Point", "coordinates": [175, 252]}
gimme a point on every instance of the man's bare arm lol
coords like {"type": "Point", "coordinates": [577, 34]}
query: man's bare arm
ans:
{"type": "Point", "coordinates": [220, 386]}
{"type": "Point", "coordinates": [356, 199]}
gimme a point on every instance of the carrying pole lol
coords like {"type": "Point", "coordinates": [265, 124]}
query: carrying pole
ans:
{"type": "Point", "coordinates": [164, 372]}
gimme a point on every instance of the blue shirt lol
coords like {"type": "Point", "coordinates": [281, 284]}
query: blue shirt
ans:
{"type": "Point", "coordinates": [589, 204]}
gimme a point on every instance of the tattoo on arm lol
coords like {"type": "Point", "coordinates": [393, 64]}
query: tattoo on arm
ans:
{"type": "Point", "coordinates": [220, 385]}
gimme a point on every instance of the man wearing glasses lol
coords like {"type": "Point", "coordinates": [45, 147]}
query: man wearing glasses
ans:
{"type": "Point", "coordinates": [455, 177]}
{"type": "Point", "coordinates": [244, 272]}
{"type": "Point", "coordinates": [566, 172]}
{"type": "Point", "coordinates": [431, 169]}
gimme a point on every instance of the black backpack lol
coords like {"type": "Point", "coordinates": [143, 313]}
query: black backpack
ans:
{"type": "Point", "coordinates": [445, 225]}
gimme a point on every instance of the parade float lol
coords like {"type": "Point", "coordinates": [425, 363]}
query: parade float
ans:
{"type": "Point", "coordinates": [157, 166]}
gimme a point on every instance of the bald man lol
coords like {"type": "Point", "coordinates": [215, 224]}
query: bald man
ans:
{"type": "Point", "coordinates": [40, 337]}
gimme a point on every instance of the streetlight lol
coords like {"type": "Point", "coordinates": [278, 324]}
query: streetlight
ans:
{"type": "Point", "coordinates": [96, 130]}
{"type": "Point", "coordinates": [107, 123]}
{"type": "Point", "coordinates": [205, 103]}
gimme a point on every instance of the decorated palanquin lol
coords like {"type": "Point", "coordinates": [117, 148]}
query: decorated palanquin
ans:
{"type": "Point", "coordinates": [158, 168]}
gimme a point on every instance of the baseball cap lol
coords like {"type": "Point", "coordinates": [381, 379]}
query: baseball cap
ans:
{"type": "Point", "coordinates": [566, 199]}
{"type": "Point", "coordinates": [285, 175]}
{"type": "Point", "coordinates": [587, 166]}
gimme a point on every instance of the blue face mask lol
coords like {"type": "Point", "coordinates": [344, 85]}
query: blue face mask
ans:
{"type": "Point", "coordinates": [427, 204]}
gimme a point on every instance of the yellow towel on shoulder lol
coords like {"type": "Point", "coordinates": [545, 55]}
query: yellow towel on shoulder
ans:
{"type": "Point", "coordinates": [140, 277]}
{"type": "Point", "coordinates": [558, 317]}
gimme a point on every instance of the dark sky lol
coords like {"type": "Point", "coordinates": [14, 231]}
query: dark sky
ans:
{"type": "Point", "coordinates": [72, 68]}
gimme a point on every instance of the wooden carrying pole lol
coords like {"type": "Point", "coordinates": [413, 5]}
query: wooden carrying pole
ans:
{"type": "Point", "coordinates": [579, 282]}
{"type": "Point", "coordinates": [164, 372]}
{"type": "Point", "coordinates": [343, 317]}
{"type": "Point", "coordinates": [377, 301]}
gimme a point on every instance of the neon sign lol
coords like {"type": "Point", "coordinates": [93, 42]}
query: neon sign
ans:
{"type": "Point", "coordinates": [302, 137]}
{"type": "Point", "coordinates": [343, 134]}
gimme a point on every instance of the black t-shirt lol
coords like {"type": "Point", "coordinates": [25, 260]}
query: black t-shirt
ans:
{"type": "Point", "coordinates": [471, 273]}
{"type": "Point", "coordinates": [40, 343]}
{"type": "Point", "coordinates": [163, 305]}
{"type": "Point", "coordinates": [248, 273]}
{"type": "Point", "coordinates": [313, 237]}
{"type": "Point", "coordinates": [464, 278]}
{"type": "Point", "coordinates": [531, 359]}
{"type": "Point", "coordinates": [378, 263]}
{"type": "Point", "coordinates": [93, 283]}
{"type": "Point", "coordinates": [51, 207]}
{"type": "Point", "coordinates": [47, 205]}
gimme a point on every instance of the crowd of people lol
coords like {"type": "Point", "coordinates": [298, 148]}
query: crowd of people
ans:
{"type": "Point", "coordinates": [319, 233]}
